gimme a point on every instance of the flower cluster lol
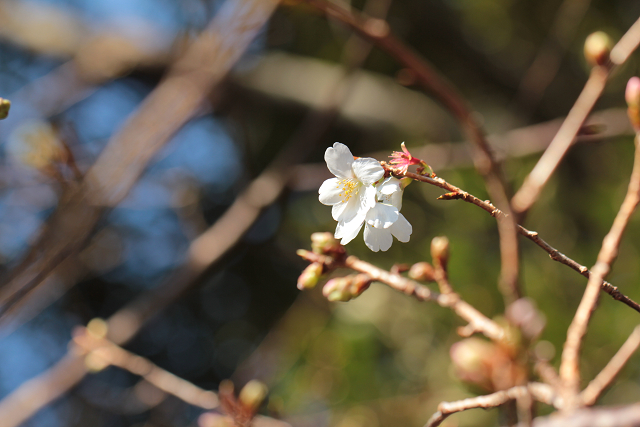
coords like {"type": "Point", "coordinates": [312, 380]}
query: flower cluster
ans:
{"type": "Point", "coordinates": [360, 195]}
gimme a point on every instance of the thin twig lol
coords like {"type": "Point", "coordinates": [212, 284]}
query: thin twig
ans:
{"type": "Point", "coordinates": [477, 321]}
{"type": "Point", "coordinates": [456, 193]}
{"type": "Point", "coordinates": [540, 392]}
{"type": "Point", "coordinates": [595, 388]}
{"type": "Point", "coordinates": [535, 181]}
{"type": "Point", "coordinates": [169, 106]}
{"type": "Point", "coordinates": [104, 352]}
{"type": "Point", "coordinates": [569, 366]}
{"type": "Point", "coordinates": [377, 32]}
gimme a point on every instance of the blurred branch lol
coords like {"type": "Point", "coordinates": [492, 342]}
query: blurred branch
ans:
{"type": "Point", "coordinates": [547, 62]}
{"type": "Point", "coordinates": [165, 110]}
{"type": "Point", "coordinates": [595, 388]}
{"type": "Point", "coordinates": [456, 193]}
{"type": "Point", "coordinates": [216, 241]}
{"type": "Point", "coordinates": [377, 32]}
{"type": "Point", "coordinates": [514, 143]}
{"type": "Point", "coordinates": [569, 367]}
{"type": "Point", "coordinates": [99, 353]}
{"type": "Point", "coordinates": [533, 184]}
{"type": "Point", "coordinates": [540, 392]}
{"type": "Point", "coordinates": [621, 416]}
{"type": "Point", "coordinates": [478, 322]}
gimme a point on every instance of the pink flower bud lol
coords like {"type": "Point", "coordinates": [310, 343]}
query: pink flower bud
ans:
{"type": "Point", "coordinates": [597, 48]}
{"type": "Point", "coordinates": [632, 95]}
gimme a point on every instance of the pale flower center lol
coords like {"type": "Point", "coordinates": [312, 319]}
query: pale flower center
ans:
{"type": "Point", "coordinates": [349, 186]}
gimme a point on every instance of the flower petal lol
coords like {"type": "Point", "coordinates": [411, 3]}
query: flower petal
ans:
{"type": "Point", "coordinates": [339, 160]}
{"type": "Point", "coordinates": [401, 229]}
{"type": "Point", "coordinates": [367, 198]}
{"type": "Point", "coordinates": [377, 239]}
{"type": "Point", "coordinates": [382, 216]}
{"type": "Point", "coordinates": [330, 192]}
{"type": "Point", "coordinates": [347, 210]}
{"type": "Point", "coordinates": [367, 170]}
{"type": "Point", "coordinates": [390, 192]}
{"type": "Point", "coordinates": [389, 186]}
{"type": "Point", "coordinates": [348, 230]}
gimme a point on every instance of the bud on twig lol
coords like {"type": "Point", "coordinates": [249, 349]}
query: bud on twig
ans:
{"type": "Point", "coordinates": [422, 271]}
{"type": "Point", "coordinates": [252, 395]}
{"type": "Point", "coordinates": [346, 288]}
{"type": "Point", "coordinates": [310, 276]}
{"type": "Point", "coordinates": [325, 244]}
{"type": "Point", "coordinates": [440, 251]}
{"type": "Point", "coordinates": [632, 96]}
{"type": "Point", "coordinates": [597, 48]}
{"type": "Point", "coordinates": [5, 106]}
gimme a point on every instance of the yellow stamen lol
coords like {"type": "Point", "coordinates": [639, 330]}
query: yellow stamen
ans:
{"type": "Point", "coordinates": [349, 186]}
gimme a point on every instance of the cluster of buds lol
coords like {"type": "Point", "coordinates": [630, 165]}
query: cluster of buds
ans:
{"type": "Point", "coordinates": [239, 411]}
{"type": "Point", "coordinates": [346, 288]}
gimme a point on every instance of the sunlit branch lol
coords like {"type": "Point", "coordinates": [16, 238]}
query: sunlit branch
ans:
{"type": "Point", "coordinates": [456, 193]}
{"type": "Point", "coordinates": [533, 184]}
{"type": "Point", "coordinates": [478, 322]}
{"type": "Point", "coordinates": [569, 367]}
{"type": "Point", "coordinates": [595, 388]}
{"type": "Point", "coordinates": [540, 392]}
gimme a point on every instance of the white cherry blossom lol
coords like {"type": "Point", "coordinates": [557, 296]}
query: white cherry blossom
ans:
{"type": "Point", "coordinates": [384, 219]}
{"type": "Point", "coordinates": [351, 193]}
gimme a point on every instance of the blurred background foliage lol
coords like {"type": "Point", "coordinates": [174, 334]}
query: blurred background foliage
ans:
{"type": "Point", "coordinates": [382, 359]}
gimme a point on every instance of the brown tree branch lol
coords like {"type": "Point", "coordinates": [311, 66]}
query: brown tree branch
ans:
{"type": "Point", "coordinates": [98, 353]}
{"type": "Point", "coordinates": [378, 33]}
{"type": "Point", "coordinates": [621, 416]}
{"type": "Point", "coordinates": [569, 367]}
{"type": "Point", "coordinates": [456, 193]}
{"type": "Point", "coordinates": [540, 392]}
{"type": "Point", "coordinates": [595, 388]}
{"type": "Point", "coordinates": [535, 181]}
{"type": "Point", "coordinates": [478, 322]}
